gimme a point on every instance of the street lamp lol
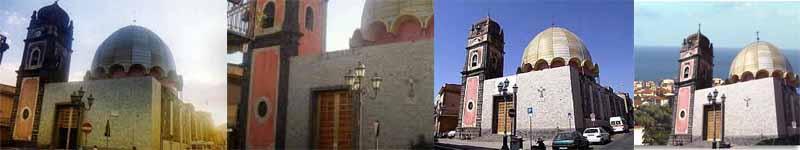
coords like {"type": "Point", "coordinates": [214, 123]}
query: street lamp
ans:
{"type": "Point", "coordinates": [713, 102]}
{"type": "Point", "coordinates": [76, 101]}
{"type": "Point", "coordinates": [502, 88]}
{"type": "Point", "coordinates": [353, 80]}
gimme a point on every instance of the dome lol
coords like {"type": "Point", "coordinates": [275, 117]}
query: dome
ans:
{"type": "Point", "coordinates": [53, 14]}
{"type": "Point", "coordinates": [130, 51]}
{"type": "Point", "coordinates": [389, 21]}
{"type": "Point", "coordinates": [555, 47]}
{"type": "Point", "coordinates": [758, 60]}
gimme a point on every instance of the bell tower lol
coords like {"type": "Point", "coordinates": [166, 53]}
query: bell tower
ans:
{"type": "Point", "coordinates": [484, 60]}
{"type": "Point", "coordinates": [696, 72]}
{"type": "Point", "coordinates": [45, 59]}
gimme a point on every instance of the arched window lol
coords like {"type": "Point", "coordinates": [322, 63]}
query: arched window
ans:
{"type": "Point", "coordinates": [35, 57]}
{"type": "Point", "coordinates": [309, 19]}
{"type": "Point", "coordinates": [686, 72]}
{"type": "Point", "coordinates": [268, 20]}
{"type": "Point", "coordinates": [474, 59]}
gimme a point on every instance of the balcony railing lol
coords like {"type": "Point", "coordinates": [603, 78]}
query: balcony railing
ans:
{"type": "Point", "coordinates": [240, 17]}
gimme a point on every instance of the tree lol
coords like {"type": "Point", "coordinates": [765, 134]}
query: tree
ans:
{"type": "Point", "coordinates": [657, 123]}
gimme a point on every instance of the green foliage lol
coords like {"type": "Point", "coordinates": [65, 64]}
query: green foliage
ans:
{"type": "Point", "coordinates": [657, 123]}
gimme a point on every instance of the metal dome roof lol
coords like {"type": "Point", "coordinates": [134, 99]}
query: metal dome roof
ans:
{"type": "Point", "coordinates": [389, 11]}
{"type": "Point", "coordinates": [132, 45]}
{"type": "Point", "coordinates": [555, 42]}
{"type": "Point", "coordinates": [758, 56]}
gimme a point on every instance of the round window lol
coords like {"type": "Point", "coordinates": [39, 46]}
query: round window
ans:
{"type": "Point", "coordinates": [469, 105]}
{"type": "Point", "coordinates": [262, 108]}
{"type": "Point", "coordinates": [26, 113]}
{"type": "Point", "coordinates": [683, 114]}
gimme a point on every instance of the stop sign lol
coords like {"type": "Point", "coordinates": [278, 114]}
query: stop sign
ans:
{"type": "Point", "coordinates": [86, 127]}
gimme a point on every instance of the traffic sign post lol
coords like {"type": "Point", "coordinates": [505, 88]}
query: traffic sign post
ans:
{"type": "Point", "coordinates": [530, 125]}
{"type": "Point", "coordinates": [593, 119]}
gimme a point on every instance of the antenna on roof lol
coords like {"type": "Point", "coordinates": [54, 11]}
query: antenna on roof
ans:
{"type": "Point", "coordinates": [134, 17]}
{"type": "Point", "coordinates": [552, 21]}
{"type": "Point", "coordinates": [757, 37]}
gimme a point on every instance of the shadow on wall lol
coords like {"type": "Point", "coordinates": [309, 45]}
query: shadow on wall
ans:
{"type": "Point", "coordinates": [791, 140]}
{"type": "Point", "coordinates": [421, 143]}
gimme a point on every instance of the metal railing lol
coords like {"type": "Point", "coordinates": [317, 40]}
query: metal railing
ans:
{"type": "Point", "coordinates": [239, 17]}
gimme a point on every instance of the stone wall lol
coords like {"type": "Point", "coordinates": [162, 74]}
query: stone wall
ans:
{"type": "Point", "coordinates": [403, 104]}
{"type": "Point", "coordinates": [136, 101]}
{"type": "Point", "coordinates": [750, 110]}
{"type": "Point", "coordinates": [550, 112]}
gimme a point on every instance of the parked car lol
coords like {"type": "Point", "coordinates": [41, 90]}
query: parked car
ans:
{"type": "Point", "coordinates": [596, 135]}
{"type": "Point", "coordinates": [570, 140]}
{"type": "Point", "coordinates": [618, 124]}
{"type": "Point", "coordinates": [451, 134]}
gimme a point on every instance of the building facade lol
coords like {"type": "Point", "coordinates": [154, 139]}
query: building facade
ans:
{"type": "Point", "coordinates": [556, 79]}
{"type": "Point", "coordinates": [281, 100]}
{"type": "Point", "coordinates": [761, 87]}
{"type": "Point", "coordinates": [446, 108]}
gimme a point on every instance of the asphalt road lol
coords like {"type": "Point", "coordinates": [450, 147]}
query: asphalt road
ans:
{"type": "Point", "coordinates": [618, 141]}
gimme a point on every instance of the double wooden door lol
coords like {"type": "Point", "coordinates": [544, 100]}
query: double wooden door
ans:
{"type": "Point", "coordinates": [713, 128]}
{"type": "Point", "coordinates": [336, 120]}
{"type": "Point", "coordinates": [503, 121]}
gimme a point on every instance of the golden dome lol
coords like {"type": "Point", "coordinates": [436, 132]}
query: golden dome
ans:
{"type": "Point", "coordinates": [758, 60]}
{"type": "Point", "coordinates": [392, 12]}
{"type": "Point", "coordinates": [555, 47]}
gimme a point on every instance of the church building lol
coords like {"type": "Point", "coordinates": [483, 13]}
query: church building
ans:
{"type": "Point", "coordinates": [556, 79]}
{"type": "Point", "coordinates": [130, 97]}
{"type": "Point", "coordinates": [758, 101]}
{"type": "Point", "coordinates": [294, 95]}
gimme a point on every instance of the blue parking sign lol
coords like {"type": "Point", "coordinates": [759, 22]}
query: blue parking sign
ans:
{"type": "Point", "coordinates": [530, 110]}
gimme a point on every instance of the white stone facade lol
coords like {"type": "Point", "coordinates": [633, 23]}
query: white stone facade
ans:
{"type": "Point", "coordinates": [754, 110]}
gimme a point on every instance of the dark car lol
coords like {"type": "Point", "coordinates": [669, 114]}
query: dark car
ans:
{"type": "Point", "coordinates": [570, 140]}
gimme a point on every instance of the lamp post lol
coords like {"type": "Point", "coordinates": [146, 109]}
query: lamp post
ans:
{"type": "Point", "coordinates": [502, 88]}
{"type": "Point", "coordinates": [712, 99]}
{"type": "Point", "coordinates": [76, 102]}
{"type": "Point", "coordinates": [353, 79]}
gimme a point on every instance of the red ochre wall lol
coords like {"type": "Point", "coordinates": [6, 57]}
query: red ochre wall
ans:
{"type": "Point", "coordinates": [312, 41]}
{"type": "Point", "coordinates": [265, 66]}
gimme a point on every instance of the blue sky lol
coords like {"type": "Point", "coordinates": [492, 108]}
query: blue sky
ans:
{"type": "Point", "coordinates": [194, 30]}
{"type": "Point", "coordinates": [604, 26]}
{"type": "Point", "coordinates": [727, 24]}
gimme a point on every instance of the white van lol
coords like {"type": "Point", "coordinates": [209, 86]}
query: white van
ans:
{"type": "Point", "coordinates": [617, 124]}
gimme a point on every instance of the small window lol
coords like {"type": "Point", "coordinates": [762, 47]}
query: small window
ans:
{"type": "Point", "coordinates": [268, 20]}
{"type": "Point", "coordinates": [26, 113]}
{"type": "Point", "coordinates": [474, 59]}
{"type": "Point", "coordinates": [262, 109]}
{"type": "Point", "coordinates": [35, 57]}
{"type": "Point", "coordinates": [309, 19]}
{"type": "Point", "coordinates": [686, 72]}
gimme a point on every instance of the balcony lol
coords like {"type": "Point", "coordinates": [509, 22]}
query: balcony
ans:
{"type": "Point", "coordinates": [240, 16]}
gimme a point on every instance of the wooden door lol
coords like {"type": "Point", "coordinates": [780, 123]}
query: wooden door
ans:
{"type": "Point", "coordinates": [67, 127]}
{"type": "Point", "coordinates": [711, 127]}
{"type": "Point", "coordinates": [503, 121]}
{"type": "Point", "coordinates": [335, 122]}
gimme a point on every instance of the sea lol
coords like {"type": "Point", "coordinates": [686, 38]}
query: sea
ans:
{"type": "Point", "coordinates": [657, 63]}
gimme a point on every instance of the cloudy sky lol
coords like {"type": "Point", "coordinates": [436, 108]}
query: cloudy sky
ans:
{"type": "Point", "coordinates": [727, 24]}
{"type": "Point", "coordinates": [193, 29]}
{"type": "Point", "coordinates": [344, 17]}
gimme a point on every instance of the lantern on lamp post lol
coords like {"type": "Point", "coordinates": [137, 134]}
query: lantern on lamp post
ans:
{"type": "Point", "coordinates": [353, 79]}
